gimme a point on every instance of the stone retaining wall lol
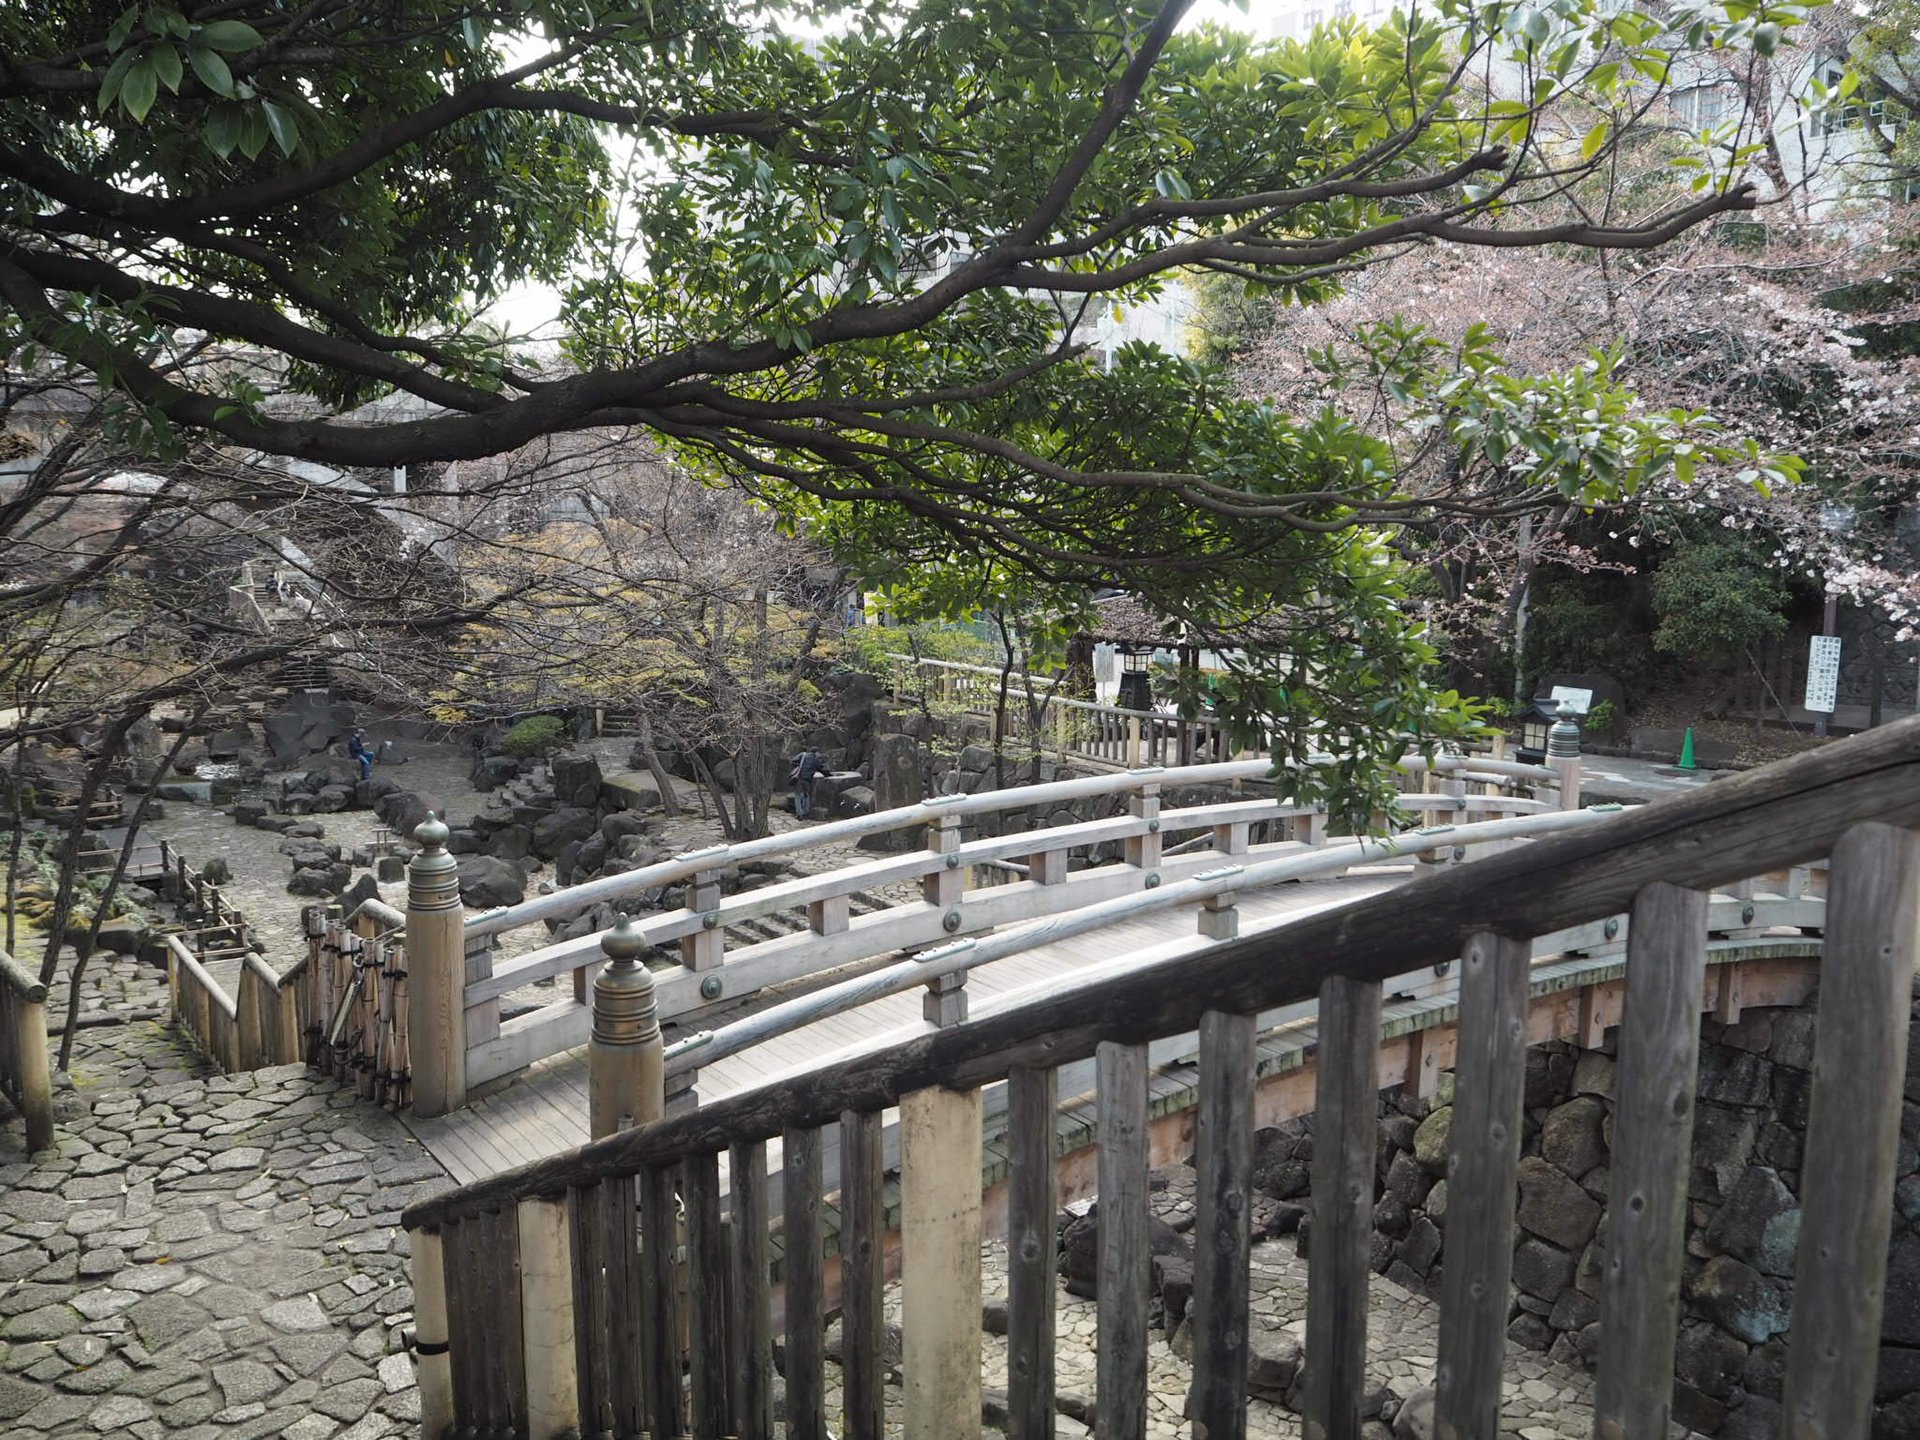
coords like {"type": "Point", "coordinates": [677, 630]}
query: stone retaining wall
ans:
{"type": "Point", "coordinates": [1751, 1113]}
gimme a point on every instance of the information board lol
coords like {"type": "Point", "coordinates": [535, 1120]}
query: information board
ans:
{"type": "Point", "coordinates": [1582, 700]}
{"type": "Point", "coordinates": [1823, 673]}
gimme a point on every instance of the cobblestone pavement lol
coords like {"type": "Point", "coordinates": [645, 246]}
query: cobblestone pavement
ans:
{"type": "Point", "coordinates": [206, 1256]}
{"type": "Point", "coordinates": [1544, 1400]}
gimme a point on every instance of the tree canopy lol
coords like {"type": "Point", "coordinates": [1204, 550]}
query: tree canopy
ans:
{"type": "Point", "coordinates": [851, 253]}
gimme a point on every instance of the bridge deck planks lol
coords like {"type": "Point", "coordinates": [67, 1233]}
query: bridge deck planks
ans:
{"type": "Point", "coordinates": [543, 1111]}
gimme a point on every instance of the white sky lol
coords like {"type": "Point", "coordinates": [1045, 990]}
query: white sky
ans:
{"type": "Point", "coordinates": [534, 308]}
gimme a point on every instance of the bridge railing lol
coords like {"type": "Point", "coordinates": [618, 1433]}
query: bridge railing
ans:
{"type": "Point", "coordinates": [25, 1074]}
{"type": "Point", "coordinates": [548, 1298]}
{"type": "Point", "coordinates": [1082, 729]}
{"type": "Point", "coordinates": [945, 864]}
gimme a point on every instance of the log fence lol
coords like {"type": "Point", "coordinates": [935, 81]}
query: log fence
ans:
{"type": "Point", "coordinates": [25, 1072]}
{"type": "Point", "coordinates": [575, 1257]}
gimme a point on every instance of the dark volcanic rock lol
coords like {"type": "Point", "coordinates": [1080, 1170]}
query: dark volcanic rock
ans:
{"type": "Point", "coordinates": [487, 881]}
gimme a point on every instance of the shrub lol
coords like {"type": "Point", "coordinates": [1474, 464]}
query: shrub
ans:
{"type": "Point", "coordinates": [535, 735]}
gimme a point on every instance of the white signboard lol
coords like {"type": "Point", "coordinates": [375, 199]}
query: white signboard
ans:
{"type": "Point", "coordinates": [1823, 673]}
{"type": "Point", "coordinates": [1582, 700]}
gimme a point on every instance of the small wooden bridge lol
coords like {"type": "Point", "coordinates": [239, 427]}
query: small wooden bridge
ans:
{"type": "Point", "coordinates": [604, 1339]}
{"type": "Point", "coordinates": [990, 890]}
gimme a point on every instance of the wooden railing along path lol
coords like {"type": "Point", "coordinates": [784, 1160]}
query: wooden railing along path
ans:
{"type": "Point", "coordinates": [342, 1007]}
{"type": "Point", "coordinates": [25, 1073]}
{"type": "Point", "coordinates": [547, 1297]}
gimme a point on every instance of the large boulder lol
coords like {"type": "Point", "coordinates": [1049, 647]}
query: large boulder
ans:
{"type": "Point", "coordinates": [369, 792]}
{"type": "Point", "coordinates": [576, 779]}
{"type": "Point", "coordinates": [230, 744]}
{"type": "Point", "coordinates": [310, 725]}
{"type": "Point", "coordinates": [487, 881]}
{"type": "Point", "coordinates": [333, 798]}
{"type": "Point", "coordinates": [402, 810]}
{"type": "Point", "coordinates": [898, 768]}
{"type": "Point", "coordinates": [510, 842]}
{"type": "Point", "coordinates": [554, 832]}
{"type": "Point", "coordinates": [1079, 1244]}
{"type": "Point", "coordinates": [490, 772]}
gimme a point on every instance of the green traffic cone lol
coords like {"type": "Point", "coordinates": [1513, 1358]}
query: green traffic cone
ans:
{"type": "Point", "coordinates": [1687, 762]}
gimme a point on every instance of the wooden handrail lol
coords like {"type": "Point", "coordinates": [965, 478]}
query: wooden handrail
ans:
{"type": "Point", "coordinates": [380, 913]}
{"type": "Point", "coordinates": [707, 1047]}
{"type": "Point", "coordinates": [206, 982]}
{"type": "Point", "coordinates": [1767, 819]}
{"type": "Point", "coordinates": [20, 980]}
{"type": "Point", "coordinates": [577, 898]}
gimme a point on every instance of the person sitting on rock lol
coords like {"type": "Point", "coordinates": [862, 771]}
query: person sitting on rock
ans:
{"type": "Point", "coordinates": [357, 750]}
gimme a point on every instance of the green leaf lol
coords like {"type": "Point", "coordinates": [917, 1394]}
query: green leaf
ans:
{"type": "Point", "coordinates": [137, 91]}
{"type": "Point", "coordinates": [253, 134]}
{"type": "Point", "coordinates": [122, 27]}
{"type": "Point", "coordinates": [213, 72]}
{"type": "Point", "coordinates": [286, 134]}
{"type": "Point", "coordinates": [111, 82]}
{"type": "Point", "coordinates": [1171, 186]}
{"type": "Point", "coordinates": [1596, 139]}
{"type": "Point", "coordinates": [166, 64]}
{"type": "Point", "coordinates": [228, 35]}
{"type": "Point", "coordinates": [223, 129]}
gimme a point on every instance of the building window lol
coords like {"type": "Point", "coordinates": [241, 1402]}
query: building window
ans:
{"type": "Point", "coordinates": [1705, 107]}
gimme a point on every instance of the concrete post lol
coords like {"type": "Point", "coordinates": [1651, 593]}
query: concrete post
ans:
{"type": "Point", "coordinates": [940, 1261]}
{"type": "Point", "coordinates": [431, 1356]}
{"type": "Point", "coordinates": [547, 1321]}
{"type": "Point", "coordinates": [436, 969]}
{"type": "Point", "coordinates": [626, 1072]}
{"type": "Point", "coordinates": [1563, 754]}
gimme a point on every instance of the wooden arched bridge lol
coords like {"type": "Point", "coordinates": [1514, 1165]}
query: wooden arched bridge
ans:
{"type": "Point", "coordinates": [626, 1285]}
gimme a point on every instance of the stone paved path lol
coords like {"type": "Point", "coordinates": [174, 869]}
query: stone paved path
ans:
{"type": "Point", "coordinates": [206, 1256]}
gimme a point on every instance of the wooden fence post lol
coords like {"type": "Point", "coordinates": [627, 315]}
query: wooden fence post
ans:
{"type": "Point", "coordinates": [1853, 1130]}
{"type": "Point", "coordinates": [1143, 851]}
{"type": "Point", "coordinates": [626, 1074]}
{"type": "Point", "coordinates": [437, 962]}
{"type": "Point", "coordinates": [1653, 1142]}
{"type": "Point", "coordinates": [940, 1261]}
{"type": "Point", "coordinates": [29, 1045]}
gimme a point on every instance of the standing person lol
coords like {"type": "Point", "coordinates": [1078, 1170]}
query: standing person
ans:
{"type": "Point", "coordinates": [357, 749]}
{"type": "Point", "coordinates": [806, 765]}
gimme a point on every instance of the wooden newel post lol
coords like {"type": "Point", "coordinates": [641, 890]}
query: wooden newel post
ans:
{"type": "Point", "coordinates": [626, 1071]}
{"type": "Point", "coordinates": [1563, 754]}
{"type": "Point", "coordinates": [437, 971]}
